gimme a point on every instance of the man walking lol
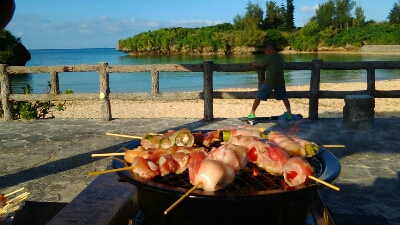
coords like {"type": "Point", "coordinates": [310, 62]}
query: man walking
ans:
{"type": "Point", "coordinates": [274, 65]}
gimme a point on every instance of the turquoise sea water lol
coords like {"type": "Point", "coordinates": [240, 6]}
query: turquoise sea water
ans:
{"type": "Point", "coordinates": [88, 82]}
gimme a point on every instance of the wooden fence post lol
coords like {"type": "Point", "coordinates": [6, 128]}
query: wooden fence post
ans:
{"type": "Point", "coordinates": [314, 89]}
{"type": "Point", "coordinates": [55, 85]}
{"type": "Point", "coordinates": [208, 90]}
{"type": "Point", "coordinates": [155, 89]}
{"type": "Point", "coordinates": [105, 105]}
{"type": "Point", "coordinates": [5, 92]}
{"type": "Point", "coordinates": [261, 77]}
{"type": "Point", "coordinates": [370, 78]}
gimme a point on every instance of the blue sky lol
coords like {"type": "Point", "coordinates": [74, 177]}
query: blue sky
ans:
{"type": "Point", "coordinates": [60, 24]}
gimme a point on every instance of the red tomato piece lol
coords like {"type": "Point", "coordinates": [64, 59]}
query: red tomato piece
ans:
{"type": "Point", "coordinates": [252, 154]}
{"type": "Point", "coordinates": [291, 175]}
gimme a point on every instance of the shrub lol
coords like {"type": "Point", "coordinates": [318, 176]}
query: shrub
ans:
{"type": "Point", "coordinates": [33, 110]}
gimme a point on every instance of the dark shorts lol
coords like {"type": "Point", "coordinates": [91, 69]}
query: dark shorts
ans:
{"type": "Point", "coordinates": [265, 91]}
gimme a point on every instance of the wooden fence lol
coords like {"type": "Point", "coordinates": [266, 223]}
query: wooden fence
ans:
{"type": "Point", "coordinates": [208, 94]}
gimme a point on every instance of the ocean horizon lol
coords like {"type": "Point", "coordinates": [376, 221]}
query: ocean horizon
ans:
{"type": "Point", "coordinates": [88, 82]}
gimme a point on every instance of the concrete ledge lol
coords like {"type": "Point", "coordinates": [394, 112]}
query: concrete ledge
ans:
{"type": "Point", "coordinates": [358, 111]}
{"type": "Point", "coordinates": [104, 201]}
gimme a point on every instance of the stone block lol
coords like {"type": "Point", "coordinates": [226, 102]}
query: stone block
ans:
{"type": "Point", "coordinates": [358, 111]}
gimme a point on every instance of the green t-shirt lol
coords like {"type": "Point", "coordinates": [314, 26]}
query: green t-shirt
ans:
{"type": "Point", "coordinates": [274, 66]}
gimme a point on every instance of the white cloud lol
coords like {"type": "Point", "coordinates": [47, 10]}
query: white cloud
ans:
{"type": "Point", "coordinates": [194, 23]}
{"type": "Point", "coordinates": [309, 9]}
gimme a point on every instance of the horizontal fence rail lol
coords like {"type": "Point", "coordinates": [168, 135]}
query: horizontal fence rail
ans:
{"type": "Point", "coordinates": [208, 94]}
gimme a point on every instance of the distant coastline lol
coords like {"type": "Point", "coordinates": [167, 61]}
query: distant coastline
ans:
{"type": "Point", "coordinates": [366, 49]}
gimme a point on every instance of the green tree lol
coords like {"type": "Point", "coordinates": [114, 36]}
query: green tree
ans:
{"type": "Point", "coordinates": [238, 22]}
{"type": "Point", "coordinates": [359, 19]}
{"type": "Point", "coordinates": [252, 19]}
{"type": "Point", "coordinates": [250, 26]}
{"type": "Point", "coordinates": [283, 15]}
{"type": "Point", "coordinates": [343, 12]}
{"type": "Point", "coordinates": [325, 15]}
{"type": "Point", "coordinates": [394, 15]}
{"type": "Point", "coordinates": [273, 16]}
{"type": "Point", "coordinates": [289, 17]}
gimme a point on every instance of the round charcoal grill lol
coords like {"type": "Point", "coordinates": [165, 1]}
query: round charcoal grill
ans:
{"type": "Point", "coordinates": [254, 197]}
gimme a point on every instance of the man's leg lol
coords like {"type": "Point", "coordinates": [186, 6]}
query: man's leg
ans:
{"type": "Point", "coordinates": [288, 113]}
{"type": "Point", "coordinates": [287, 105]}
{"type": "Point", "coordinates": [262, 94]}
{"type": "Point", "coordinates": [255, 105]}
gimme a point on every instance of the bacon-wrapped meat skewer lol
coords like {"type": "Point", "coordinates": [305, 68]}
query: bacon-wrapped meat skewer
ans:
{"type": "Point", "coordinates": [241, 153]}
{"type": "Point", "coordinates": [296, 171]}
{"type": "Point", "coordinates": [291, 147]}
{"type": "Point", "coordinates": [245, 132]}
{"type": "Point", "coordinates": [230, 154]}
{"type": "Point", "coordinates": [310, 148]}
{"type": "Point", "coordinates": [253, 150]}
{"type": "Point", "coordinates": [212, 175]}
{"type": "Point", "coordinates": [272, 160]}
{"type": "Point", "coordinates": [242, 140]}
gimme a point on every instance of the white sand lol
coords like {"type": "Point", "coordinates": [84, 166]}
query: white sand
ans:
{"type": "Point", "coordinates": [328, 108]}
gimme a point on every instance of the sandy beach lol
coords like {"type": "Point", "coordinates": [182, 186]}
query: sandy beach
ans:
{"type": "Point", "coordinates": [232, 108]}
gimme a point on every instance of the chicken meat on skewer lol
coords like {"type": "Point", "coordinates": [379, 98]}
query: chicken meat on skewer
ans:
{"type": "Point", "coordinates": [207, 139]}
{"type": "Point", "coordinates": [146, 169]}
{"type": "Point", "coordinates": [139, 151]}
{"type": "Point", "coordinates": [176, 162]}
{"type": "Point", "coordinates": [212, 175]}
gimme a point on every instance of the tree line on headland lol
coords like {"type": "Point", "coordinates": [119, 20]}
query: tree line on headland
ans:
{"type": "Point", "coordinates": [12, 51]}
{"type": "Point", "coordinates": [336, 25]}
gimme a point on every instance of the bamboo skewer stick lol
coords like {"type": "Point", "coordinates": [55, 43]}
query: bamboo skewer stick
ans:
{"type": "Point", "coordinates": [333, 146]}
{"type": "Point", "coordinates": [21, 199]}
{"type": "Point", "coordinates": [124, 135]}
{"type": "Point", "coordinates": [111, 171]}
{"type": "Point", "coordinates": [325, 183]}
{"type": "Point", "coordinates": [25, 194]}
{"type": "Point", "coordinates": [181, 198]}
{"type": "Point", "coordinates": [11, 193]}
{"type": "Point", "coordinates": [112, 153]}
{"type": "Point", "coordinates": [108, 154]}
